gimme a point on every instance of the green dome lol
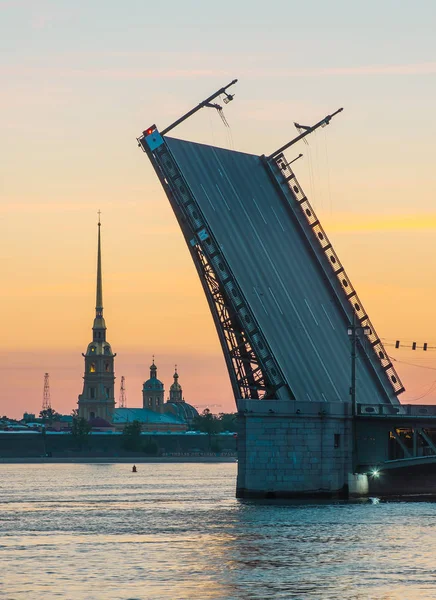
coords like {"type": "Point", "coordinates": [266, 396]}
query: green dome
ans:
{"type": "Point", "coordinates": [153, 384]}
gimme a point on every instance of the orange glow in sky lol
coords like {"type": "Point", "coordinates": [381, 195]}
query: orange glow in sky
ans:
{"type": "Point", "coordinates": [80, 84]}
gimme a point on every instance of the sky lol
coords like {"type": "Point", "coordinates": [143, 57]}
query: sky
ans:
{"type": "Point", "coordinates": [80, 81]}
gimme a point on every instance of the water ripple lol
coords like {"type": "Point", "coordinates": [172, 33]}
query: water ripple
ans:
{"type": "Point", "coordinates": [176, 532]}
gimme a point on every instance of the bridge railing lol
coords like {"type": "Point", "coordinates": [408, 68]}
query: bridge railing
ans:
{"type": "Point", "coordinates": [406, 410]}
{"type": "Point", "coordinates": [321, 238]}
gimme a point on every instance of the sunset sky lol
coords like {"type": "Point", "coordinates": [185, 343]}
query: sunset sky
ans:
{"type": "Point", "coordinates": [81, 80]}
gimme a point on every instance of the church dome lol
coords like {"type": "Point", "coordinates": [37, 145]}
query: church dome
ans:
{"type": "Point", "coordinates": [153, 384]}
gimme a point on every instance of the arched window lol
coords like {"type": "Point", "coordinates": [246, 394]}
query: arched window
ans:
{"type": "Point", "coordinates": [106, 366]}
{"type": "Point", "coordinates": [92, 349]}
{"type": "Point", "coordinates": [92, 392]}
{"type": "Point", "coordinates": [92, 415]}
{"type": "Point", "coordinates": [92, 368]}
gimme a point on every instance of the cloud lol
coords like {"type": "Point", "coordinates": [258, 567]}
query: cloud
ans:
{"type": "Point", "coordinates": [112, 73]}
{"type": "Point", "coordinates": [347, 223]}
{"type": "Point", "coordinates": [427, 68]}
{"type": "Point", "coordinates": [121, 73]}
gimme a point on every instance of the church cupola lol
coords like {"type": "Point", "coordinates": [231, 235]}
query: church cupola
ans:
{"type": "Point", "coordinates": [176, 393]}
{"type": "Point", "coordinates": [153, 370]}
{"type": "Point", "coordinates": [153, 390]}
{"type": "Point", "coordinates": [98, 396]}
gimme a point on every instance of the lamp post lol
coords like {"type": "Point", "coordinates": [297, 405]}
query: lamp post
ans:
{"type": "Point", "coordinates": [353, 331]}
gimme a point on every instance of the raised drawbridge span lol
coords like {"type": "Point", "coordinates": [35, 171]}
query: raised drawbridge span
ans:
{"type": "Point", "coordinates": [280, 298]}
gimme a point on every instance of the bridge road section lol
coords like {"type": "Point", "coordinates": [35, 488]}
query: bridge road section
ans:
{"type": "Point", "coordinates": [276, 272]}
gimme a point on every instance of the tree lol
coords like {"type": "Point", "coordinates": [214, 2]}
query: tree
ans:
{"type": "Point", "coordinates": [228, 421]}
{"type": "Point", "coordinates": [208, 423]}
{"type": "Point", "coordinates": [80, 428]}
{"type": "Point", "coordinates": [49, 415]}
{"type": "Point", "coordinates": [132, 436]}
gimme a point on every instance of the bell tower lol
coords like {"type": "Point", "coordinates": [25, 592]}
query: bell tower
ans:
{"type": "Point", "coordinates": [153, 391]}
{"type": "Point", "coordinates": [98, 396]}
{"type": "Point", "coordinates": [176, 393]}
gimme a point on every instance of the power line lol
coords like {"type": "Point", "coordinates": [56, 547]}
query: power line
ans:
{"type": "Point", "coordinates": [430, 389]}
{"type": "Point", "coordinates": [403, 362]}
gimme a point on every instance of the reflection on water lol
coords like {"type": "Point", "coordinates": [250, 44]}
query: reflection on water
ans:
{"type": "Point", "coordinates": [176, 532]}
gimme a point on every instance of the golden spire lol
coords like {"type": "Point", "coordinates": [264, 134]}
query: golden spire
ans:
{"type": "Point", "coordinates": [99, 299]}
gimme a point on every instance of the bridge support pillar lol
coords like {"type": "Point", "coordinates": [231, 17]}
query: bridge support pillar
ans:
{"type": "Point", "coordinates": [289, 449]}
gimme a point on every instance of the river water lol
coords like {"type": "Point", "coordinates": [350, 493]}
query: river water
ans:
{"type": "Point", "coordinates": [175, 531]}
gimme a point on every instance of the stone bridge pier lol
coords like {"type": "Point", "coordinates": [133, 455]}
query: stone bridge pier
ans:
{"type": "Point", "coordinates": [290, 449]}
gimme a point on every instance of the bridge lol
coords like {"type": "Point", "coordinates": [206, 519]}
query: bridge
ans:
{"type": "Point", "coordinates": [309, 373]}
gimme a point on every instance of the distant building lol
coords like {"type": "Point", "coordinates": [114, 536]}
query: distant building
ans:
{"type": "Point", "coordinates": [27, 417]}
{"type": "Point", "coordinates": [97, 401]}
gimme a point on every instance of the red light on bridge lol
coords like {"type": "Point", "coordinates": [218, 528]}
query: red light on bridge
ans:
{"type": "Point", "coordinates": [149, 131]}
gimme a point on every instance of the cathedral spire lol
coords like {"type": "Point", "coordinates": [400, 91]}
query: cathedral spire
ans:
{"type": "Point", "coordinates": [98, 397]}
{"type": "Point", "coordinates": [99, 298]}
{"type": "Point", "coordinates": [99, 327]}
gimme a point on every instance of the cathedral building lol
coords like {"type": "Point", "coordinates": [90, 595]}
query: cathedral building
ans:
{"type": "Point", "coordinates": [153, 397]}
{"type": "Point", "coordinates": [98, 397]}
{"type": "Point", "coordinates": [97, 401]}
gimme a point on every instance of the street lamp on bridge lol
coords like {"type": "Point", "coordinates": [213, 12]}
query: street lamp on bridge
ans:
{"type": "Point", "coordinates": [353, 332]}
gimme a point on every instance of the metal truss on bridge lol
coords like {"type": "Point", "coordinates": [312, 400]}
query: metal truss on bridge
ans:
{"type": "Point", "coordinates": [253, 370]}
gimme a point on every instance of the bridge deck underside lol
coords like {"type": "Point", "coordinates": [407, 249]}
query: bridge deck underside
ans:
{"type": "Point", "coordinates": [277, 272]}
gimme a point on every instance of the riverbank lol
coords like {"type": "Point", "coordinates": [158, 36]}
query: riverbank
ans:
{"type": "Point", "coordinates": [123, 459]}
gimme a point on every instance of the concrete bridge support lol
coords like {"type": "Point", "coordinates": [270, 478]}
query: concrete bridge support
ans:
{"type": "Point", "coordinates": [289, 449]}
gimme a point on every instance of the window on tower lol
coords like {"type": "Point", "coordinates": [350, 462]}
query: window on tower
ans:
{"type": "Point", "coordinates": [92, 392]}
{"type": "Point", "coordinates": [106, 367]}
{"type": "Point", "coordinates": [107, 390]}
{"type": "Point", "coordinates": [92, 368]}
{"type": "Point", "coordinates": [92, 349]}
